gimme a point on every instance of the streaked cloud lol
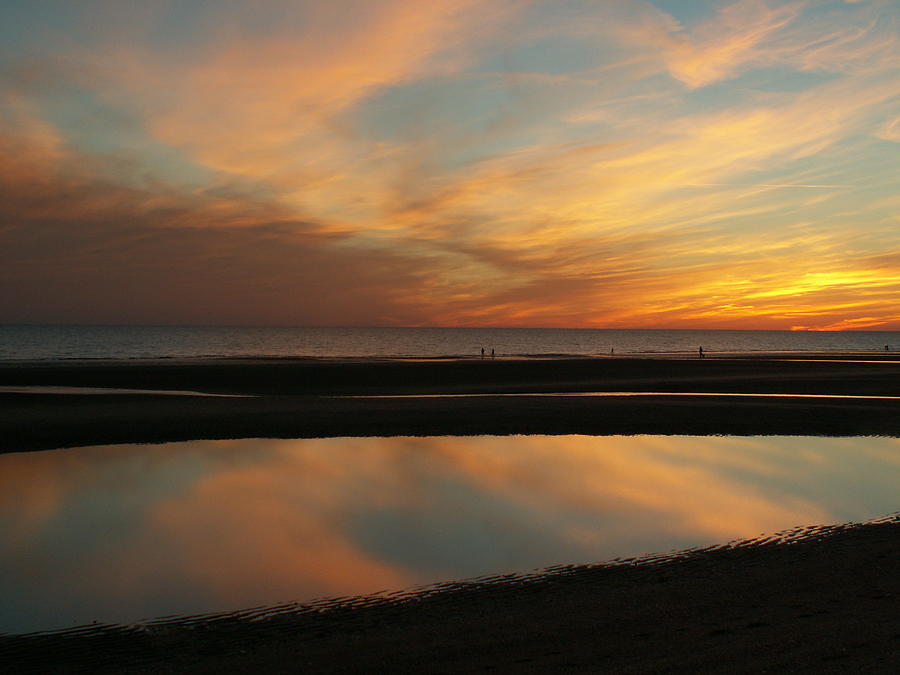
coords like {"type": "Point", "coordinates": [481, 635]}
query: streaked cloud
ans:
{"type": "Point", "coordinates": [725, 45]}
{"type": "Point", "coordinates": [464, 162]}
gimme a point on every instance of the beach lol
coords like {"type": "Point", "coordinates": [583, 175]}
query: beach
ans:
{"type": "Point", "coordinates": [822, 600]}
{"type": "Point", "coordinates": [307, 398]}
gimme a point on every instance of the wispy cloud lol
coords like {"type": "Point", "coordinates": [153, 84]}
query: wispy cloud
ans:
{"type": "Point", "coordinates": [463, 162]}
{"type": "Point", "coordinates": [773, 185]}
{"type": "Point", "coordinates": [727, 44]}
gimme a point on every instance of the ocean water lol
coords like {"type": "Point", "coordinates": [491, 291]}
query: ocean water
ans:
{"type": "Point", "coordinates": [26, 342]}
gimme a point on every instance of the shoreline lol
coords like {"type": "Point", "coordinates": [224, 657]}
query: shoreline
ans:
{"type": "Point", "coordinates": [308, 399]}
{"type": "Point", "coordinates": [784, 354]}
{"type": "Point", "coordinates": [320, 376]}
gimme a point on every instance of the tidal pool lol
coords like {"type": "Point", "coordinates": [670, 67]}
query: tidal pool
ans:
{"type": "Point", "coordinates": [130, 532]}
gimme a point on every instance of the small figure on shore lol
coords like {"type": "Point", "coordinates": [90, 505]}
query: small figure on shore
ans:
{"type": "Point", "coordinates": [700, 352]}
{"type": "Point", "coordinates": [612, 350]}
{"type": "Point", "coordinates": [482, 352]}
{"type": "Point", "coordinates": [887, 348]}
{"type": "Point", "coordinates": [492, 352]}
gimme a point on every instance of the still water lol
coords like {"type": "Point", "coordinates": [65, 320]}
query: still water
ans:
{"type": "Point", "coordinates": [131, 532]}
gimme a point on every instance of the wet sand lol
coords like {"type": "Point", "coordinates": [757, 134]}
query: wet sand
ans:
{"type": "Point", "coordinates": [824, 602]}
{"type": "Point", "coordinates": [313, 398]}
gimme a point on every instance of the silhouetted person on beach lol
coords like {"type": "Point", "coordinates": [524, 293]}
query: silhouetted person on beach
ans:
{"type": "Point", "coordinates": [887, 348]}
{"type": "Point", "coordinates": [701, 352]}
{"type": "Point", "coordinates": [492, 352]}
{"type": "Point", "coordinates": [482, 352]}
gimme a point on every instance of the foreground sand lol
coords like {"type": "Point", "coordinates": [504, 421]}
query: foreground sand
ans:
{"type": "Point", "coordinates": [821, 603]}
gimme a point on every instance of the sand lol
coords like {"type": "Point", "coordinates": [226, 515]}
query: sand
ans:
{"type": "Point", "coordinates": [824, 602]}
{"type": "Point", "coordinates": [312, 398]}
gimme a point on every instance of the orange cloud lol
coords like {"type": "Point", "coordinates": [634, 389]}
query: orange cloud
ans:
{"type": "Point", "coordinates": [271, 109]}
{"type": "Point", "coordinates": [383, 166]}
{"type": "Point", "coordinates": [78, 245]}
{"type": "Point", "coordinates": [725, 45]}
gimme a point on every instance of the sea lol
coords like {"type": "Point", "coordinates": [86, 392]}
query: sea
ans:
{"type": "Point", "coordinates": [62, 342]}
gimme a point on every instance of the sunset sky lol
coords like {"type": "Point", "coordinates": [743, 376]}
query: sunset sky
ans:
{"type": "Point", "coordinates": [584, 163]}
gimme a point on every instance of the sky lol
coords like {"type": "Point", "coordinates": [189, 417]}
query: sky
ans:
{"type": "Point", "coordinates": [564, 163]}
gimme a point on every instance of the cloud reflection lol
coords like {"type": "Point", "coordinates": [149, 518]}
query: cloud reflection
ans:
{"type": "Point", "coordinates": [128, 532]}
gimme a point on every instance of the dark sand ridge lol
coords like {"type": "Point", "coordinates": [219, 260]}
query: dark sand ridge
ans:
{"type": "Point", "coordinates": [821, 604]}
{"type": "Point", "coordinates": [301, 398]}
{"type": "Point", "coordinates": [795, 373]}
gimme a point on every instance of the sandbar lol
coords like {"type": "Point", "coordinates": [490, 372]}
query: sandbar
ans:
{"type": "Point", "coordinates": [306, 398]}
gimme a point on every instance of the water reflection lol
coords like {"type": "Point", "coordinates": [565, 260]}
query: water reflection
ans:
{"type": "Point", "coordinates": [123, 533]}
